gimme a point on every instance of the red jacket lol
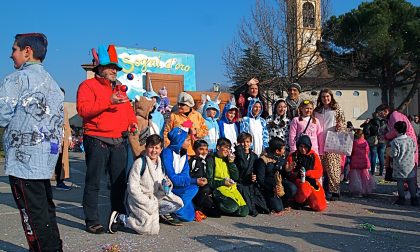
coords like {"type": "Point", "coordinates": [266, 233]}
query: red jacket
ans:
{"type": "Point", "coordinates": [100, 117]}
{"type": "Point", "coordinates": [315, 171]}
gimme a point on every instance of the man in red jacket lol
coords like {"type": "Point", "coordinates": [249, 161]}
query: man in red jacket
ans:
{"type": "Point", "coordinates": [106, 113]}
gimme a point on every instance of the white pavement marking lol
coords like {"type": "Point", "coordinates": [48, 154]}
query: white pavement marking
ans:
{"type": "Point", "coordinates": [58, 208]}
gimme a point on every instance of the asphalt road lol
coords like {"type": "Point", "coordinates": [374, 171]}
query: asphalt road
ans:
{"type": "Point", "coordinates": [352, 224]}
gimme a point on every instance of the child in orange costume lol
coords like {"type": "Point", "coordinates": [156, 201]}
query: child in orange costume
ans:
{"type": "Point", "coordinates": [306, 170]}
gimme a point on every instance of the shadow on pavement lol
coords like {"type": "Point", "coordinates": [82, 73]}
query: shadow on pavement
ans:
{"type": "Point", "coordinates": [7, 246]}
{"type": "Point", "coordinates": [235, 243]}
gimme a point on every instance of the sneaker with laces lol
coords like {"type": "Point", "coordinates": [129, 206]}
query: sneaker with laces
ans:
{"type": "Point", "coordinates": [114, 222]}
{"type": "Point", "coordinates": [170, 219]}
{"type": "Point", "coordinates": [61, 186]}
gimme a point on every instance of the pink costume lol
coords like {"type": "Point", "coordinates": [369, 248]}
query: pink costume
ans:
{"type": "Point", "coordinates": [314, 131]}
{"type": "Point", "coordinates": [361, 181]}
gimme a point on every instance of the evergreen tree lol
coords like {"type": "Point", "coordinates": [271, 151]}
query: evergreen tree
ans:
{"type": "Point", "coordinates": [379, 40]}
{"type": "Point", "coordinates": [251, 65]}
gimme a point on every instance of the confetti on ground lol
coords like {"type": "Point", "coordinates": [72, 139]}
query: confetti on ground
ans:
{"type": "Point", "coordinates": [368, 226]}
{"type": "Point", "coordinates": [111, 248]}
{"type": "Point", "coordinates": [370, 212]}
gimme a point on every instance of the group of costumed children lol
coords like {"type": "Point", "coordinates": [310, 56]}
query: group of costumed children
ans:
{"type": "Point", "coordinates": [212, 167]}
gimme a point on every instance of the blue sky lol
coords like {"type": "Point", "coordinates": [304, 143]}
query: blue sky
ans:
{"type": "Point", "coordinates": [203, 28]}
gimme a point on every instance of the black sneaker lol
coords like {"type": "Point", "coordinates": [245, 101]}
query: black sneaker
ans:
{"type": "Point", "coordinates": [63, 187]}
{"type": "Point", "coordinates": [114, 222]}
{"type": "Point", "coordinates": [170, 219]}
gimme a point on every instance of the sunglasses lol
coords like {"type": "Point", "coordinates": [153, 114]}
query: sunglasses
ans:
{"type": "Point", "coordinates": [182, 104]}
{"type": "Point", "coordinates": [306, 102]}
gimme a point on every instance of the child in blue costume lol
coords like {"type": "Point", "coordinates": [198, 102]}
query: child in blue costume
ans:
{"type": "Point", "coordinates": [156, 119]}
{"type": "Point", "coordinates": [175, 161]}
{"type": "Point", "coordinates": [255, 125]}
{"type": "Point", "coordinates": [228, 126]}
{"type": "Point", "coordinates": [211, 112]}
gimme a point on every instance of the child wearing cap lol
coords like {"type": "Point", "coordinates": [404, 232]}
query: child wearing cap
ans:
{"type": "Point", "coordinates": [293, 100]}
{"type": "Point", "coordinates": [305, 170]}
{"type": "Point", "coordinates": [185, 112]}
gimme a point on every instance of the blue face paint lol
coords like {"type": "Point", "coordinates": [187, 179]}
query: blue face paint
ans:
{"type": "Point", "coordinates": [54, 148]}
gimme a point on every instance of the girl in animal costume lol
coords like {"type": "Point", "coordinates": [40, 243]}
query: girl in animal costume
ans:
{"type": "Point", "coordinates": [228, 123]}
{"type": "Point", "coordinates": [306, 170]}
{"type": "Point", "coordinates": [211, 113]}
{"type": "Point", "coordinates": [175, 160]}
{"type": "Point", "coordinates": [146, 197]}
{"type": "Point", "coordinates": [331, 118]}
{"type": "Point", "coordinates": [278, 123]}
{"type": "Point", "coordinates": [255, 125]}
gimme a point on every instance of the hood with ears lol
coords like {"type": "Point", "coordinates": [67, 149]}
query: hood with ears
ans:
{"type": "Point", "coordinates": [252, 102]}
{"type": "Point", "coordinates": [143, 106]}
{"type": "Point", "coordinates": [208, 105]}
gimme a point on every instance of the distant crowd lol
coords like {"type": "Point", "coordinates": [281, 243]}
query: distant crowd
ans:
{"type": "Point", "coordinates": [247, 159]}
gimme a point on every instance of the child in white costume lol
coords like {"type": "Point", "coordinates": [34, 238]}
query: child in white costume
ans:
{"type": "Point", "coordinates": [146, 198]}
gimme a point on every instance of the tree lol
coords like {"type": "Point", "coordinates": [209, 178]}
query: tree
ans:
{"type": "Point", "coordinates": [268, 39]}
{"type": "Point", "coordinates": [379, 40]}
{"type": "Point", "coordinates": [252, 64]}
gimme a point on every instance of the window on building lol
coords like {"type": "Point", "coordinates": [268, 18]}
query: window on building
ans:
{"type": "Point", "coordinates": [356, 93]}
{"type": "Point", "coordinates": [338, 93]}
{"type": "Point", "coordinates": [308, 13]}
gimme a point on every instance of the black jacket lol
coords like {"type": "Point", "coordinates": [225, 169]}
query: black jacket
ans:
{"type": "Point", "coordinates": [266, 167]}
{"type": "Point", "coordinates": [245, 164]}
{"type": "Point", "coordinates": [198, 166]}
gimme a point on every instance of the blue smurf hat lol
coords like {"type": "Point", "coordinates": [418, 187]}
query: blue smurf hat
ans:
{"type": "Point", "coordinates": [106, 56]}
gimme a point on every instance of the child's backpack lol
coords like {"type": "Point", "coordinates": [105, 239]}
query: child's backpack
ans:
{"type": "Point", "coordinates": [143, 166]}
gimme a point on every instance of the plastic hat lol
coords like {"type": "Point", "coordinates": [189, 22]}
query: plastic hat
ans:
{"type": "Point", "coordinates": [106, 56]}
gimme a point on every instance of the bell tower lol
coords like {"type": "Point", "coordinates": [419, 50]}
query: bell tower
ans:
{"type": "Point", "coordinates": [303, 32]}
